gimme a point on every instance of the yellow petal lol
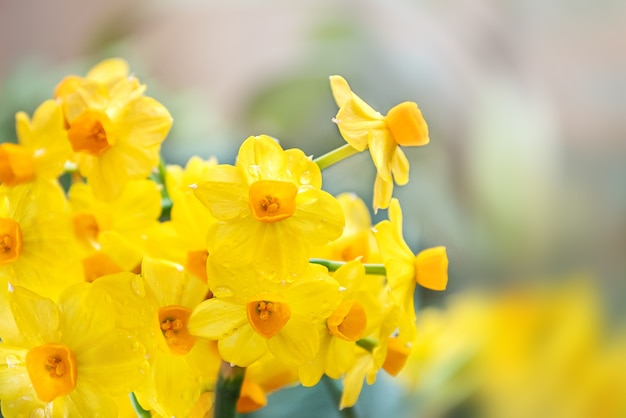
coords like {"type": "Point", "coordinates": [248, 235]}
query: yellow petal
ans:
{"type": "Point", "coordinates": [87, 400]}
{"type": "Point", "coordinates": [382, 149]}
{"type": "Point", "coordinates": [353, 381]}
{"type": "Point", "coordinates": [226, 194]}
{"type": "Point", "coordinates": [341, 356]}
{"type": "Point", "coordinates": [407, 125]}
{"type": "Point", "coordinates": [303, 171]}
{"type": "Point", "coordinates": [14, 380]}
{"type": "Point", "coordinates": [383, 191]}
{"type": "Point", "coordinates": [261, 158]}
{"type": "Point", "coordinates": [109, 69]}
{"type": "Point", "coordinates": [431, 268]}
{"type": "Point", "coordinates": [243, 347]}
{"type": "Point", "coordinates": [297, 342]}
{"type": "Point", "coordinates": [357, 124]}
{"type": "Point", "coordinates": [314, 296]}
{"type": "Point", "coordinates": [400, 167]}
{"type": "Point", "coordinates": [340, 89]}
{"type": "Point", "coordinates": [36, 317]}
{"type": "Point", "coordinates": [318, 218]}
{"type": "Point", "coordinates": [215, 319]}
{"type": "Point", "coordinates": [176, 387]}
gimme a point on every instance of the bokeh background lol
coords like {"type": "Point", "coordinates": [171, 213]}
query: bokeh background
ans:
{"type": "Point", "coordinates": [524, 180]}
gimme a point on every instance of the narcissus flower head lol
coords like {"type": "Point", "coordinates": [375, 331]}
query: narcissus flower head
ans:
{"type": "Point", "coordinates": [362, 127]}
{"type": "Point", "coordinates": [67, 359]}
{"type": "Point", "coordinates": [270, 208]}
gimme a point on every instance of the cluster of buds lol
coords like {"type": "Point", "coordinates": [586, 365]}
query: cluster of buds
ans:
{"type": "Point", "coordinates": [122, 275]}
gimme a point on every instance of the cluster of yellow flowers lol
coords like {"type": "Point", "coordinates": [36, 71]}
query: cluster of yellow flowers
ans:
{"type": "Point", "coordinates": [143, 279]}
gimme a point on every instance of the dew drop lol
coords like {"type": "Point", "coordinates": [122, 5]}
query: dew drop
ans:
{"type": "Point", "coordinates": [12, 361]}
{"type": "Point", "coordinates": [223, 292]}
{"type": "Point", "coordinates": [136, 283]}
{"type": "Point", "coordinates": [254, 169]}
{"type": "Point", "coordinates": [305, 177]}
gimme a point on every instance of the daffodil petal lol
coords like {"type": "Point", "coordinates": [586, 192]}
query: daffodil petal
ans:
{"type": "Point", "coordinates": [215, 319]}
{"type": "Point", "coordinates": [226, 194]}
{"type": "Point", "coordinates": [382, 148]}
{"type": "Point", "coordinates": [261, 158]}
{"type": "Point", "coordinates": [108, 69]}
{"type": "Point", "coordinates": [87, 400]}
{"type": "Point", "coordinates": [353, 381]}
{"type": "Point", "coordinates": [356, 124]}
{"type": "Point", "coordinates": [341, 358]}
{"type": "Point", "coordinates": [400, 167]}
{"type": "Point", "coordinates": [296, 342]}
{"type": "Point", "coordinates": [243, 347]}
{"type": "Point", "coordinates": [14, 380]}
{"type": "Point", "coordinates": [318, 217]}
{"type": "Point", "coordinates": [175, 386]}
{"type": "Point", "coordinates": [314, 297]}
{"type": "Point", "coordinates": [36, 317]}
{"type": "Point", "coordinates": [302, 169]}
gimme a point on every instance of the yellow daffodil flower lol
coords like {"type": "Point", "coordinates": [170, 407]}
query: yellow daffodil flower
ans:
{"type": "Point", "coordinates": [156, 307]}
{"type": "Point", "coordinates": [268, 316]}
{"type": "Point", "coordinates": [115, 131]}
{"type": "Point", "coordinates": [269, 208]}
{"type": "Point", "coordinates": [362, 127]}
{"type": "Point", "coordinates": [429, 268]}
{"type": "Point", "coordinates": [42, 148]}
{"type": "Point", "coordinates": [65, 360]}
{"type": "Point", "coordinates": [358, 316]}
{"type": "Point", "coordinates": [38, 248]}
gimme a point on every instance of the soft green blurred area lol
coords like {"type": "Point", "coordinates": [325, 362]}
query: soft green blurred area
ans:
{"type": "Point", "coordinates": [524, 180]}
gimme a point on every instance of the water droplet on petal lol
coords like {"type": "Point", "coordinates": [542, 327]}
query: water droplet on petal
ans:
{"type": "Point", "coordinates": [223, 292]}
{"type": "Point", "coordinates": [305, 177]}
{"type": "Point", "coordinates": [254, 169]}
{"type": "Point", "coordinates": [136, 283]}
{"type": "Point", "coordinates": [12, 361]}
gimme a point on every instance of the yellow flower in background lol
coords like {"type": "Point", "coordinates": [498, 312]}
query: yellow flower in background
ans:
{"type": "Point", "coordinates": [428, 269]}
{"type": "Point", "coordinates": [113, 234]}
{"type": "Point", "coordinates": [183, 238]}
{"type": "Point", "coordinates": [65, 360]}
{"type": "Point", "coordinates": [267, 316]}
{"type": "Point", "coordinates": [156, 306]}
{"type": "Point", "coordinates": [37, 246]}
{"type": "Point", "coordinates": [42, 147]}
{"type": "Point", "coordinates": [270, 209]}
{"type": "Point", "coordinates": [107, 73]}
{"type": "Point", "coordinates": [362, 127]}
{"type": "Point", "coordinates": [357, 240]}
{"type": "Point", "coordinates": [115, 131]}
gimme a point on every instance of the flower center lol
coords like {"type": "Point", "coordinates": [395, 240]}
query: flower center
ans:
{"type": "Point", "coordinates": [196, 263]}
{"type": "Point", "coordinates": [173, 323]}
{"type": "Point", "coordinates": [268, 316]}
{"type": "Point", "coordinates": [272, 200]}
{"type": "Point", "coordinates": [348, 321]}
{"type": "Point", "coordinates": [88, 133]}
{"type": "Point", "coordinates": [52, 371]}
{"type": "Point", "coordinates": [16, 164]}
{"type": "Point", "coordinates": [407, 125]}
{"type": "Point", "coordinates": [10, 240]}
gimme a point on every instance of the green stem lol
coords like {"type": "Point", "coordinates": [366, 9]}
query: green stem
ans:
{"type": "Point", "coordinates": [227, 390]}
{"type": "Point", "coordinates": [335, 156]}
{"type": "Point", "coordinates": [141, 413]}
{"type": "Point", "coordinates": [375, 269]}
{"type": "Point", "coordinates": [367, 344]}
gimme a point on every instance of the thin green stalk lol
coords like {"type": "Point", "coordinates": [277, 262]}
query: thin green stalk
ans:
{"type": "Point", "coordinates": [227, 391]}
{"type": "Point", "coordinates": [141, 413]}
{"type": "Point", "coordinates": [335, 156]}
{"type": "Point", "coordinates": [375, 269]}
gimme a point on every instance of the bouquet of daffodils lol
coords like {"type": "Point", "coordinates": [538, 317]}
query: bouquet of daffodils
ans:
{"type": "Point", "coordinates": [196, 290]}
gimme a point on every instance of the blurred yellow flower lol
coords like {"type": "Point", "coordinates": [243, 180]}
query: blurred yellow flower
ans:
{"type": "Point", "coordinates": [362, 127]}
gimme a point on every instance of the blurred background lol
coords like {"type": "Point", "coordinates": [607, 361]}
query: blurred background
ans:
{"type": "Point", "coordinates": [524, 180]}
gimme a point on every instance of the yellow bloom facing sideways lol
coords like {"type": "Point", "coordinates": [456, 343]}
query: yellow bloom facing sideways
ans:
{"type": "Point", "coordinates": [266, 316]}
{"type": "Point", "coordinates": [362, 127]}
{"type": "Point", "coordinates": [429, 268]}
{"type": "Point", "coordinates": [42, 148]}
{"type": "Point", "coordinates": [156, 306]}
{"type": "Point", "coordinates": [270, 208]}
{"type": "Point", "coordinates": [115, 131]}
{"type": "Point", "coordinates": [65, 360]}
{"type": "Point", "coordinates": [38, 248]}
{"type": "Point", "coordinates": [358, 316]}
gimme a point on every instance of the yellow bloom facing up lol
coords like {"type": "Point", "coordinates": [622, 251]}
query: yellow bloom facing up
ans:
{"type": "Point", "coordinates": [115, 131]}
{"type": "Point", "coordinates": [429, 268]}
{"type": "Point", "coordinates": [362, 127]}
{"type": "Point", "coordinates": [42, 148]}
{"type": "Point", "coordinates": [65, 360]}
{"type": "Point", "coordinates": [156, 307]}
{"type": "Point", "coordinates": [278, 318]}
{"type": "Point", "coordinates": [270, 208]}
{"type": "Point", "coordinates": [38, 249]}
